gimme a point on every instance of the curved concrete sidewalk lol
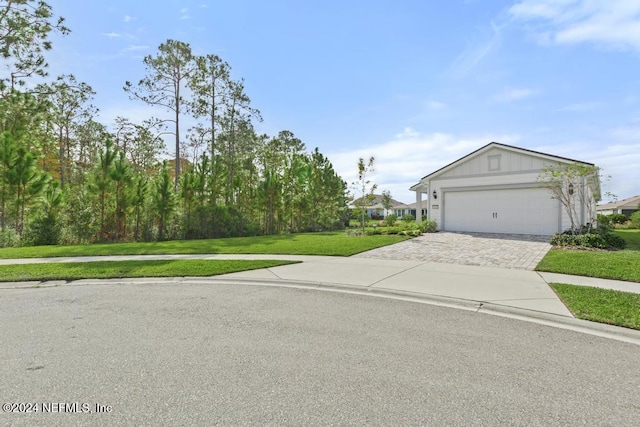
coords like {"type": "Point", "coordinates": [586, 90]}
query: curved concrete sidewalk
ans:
{"type": "Point", "coordinates": [515, 293]}
{"type": "Point", "coordinates": [516, 288]}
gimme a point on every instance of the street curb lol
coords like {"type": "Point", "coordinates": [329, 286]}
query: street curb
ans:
{"type": "Point", "coordinates": [563, 322]}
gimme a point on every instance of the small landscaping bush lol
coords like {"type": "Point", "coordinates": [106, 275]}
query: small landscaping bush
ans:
{"type": "Point", "coordinates": [408, 218]}
{"type": "Point", "coordinates": [412, 226]}
{"type": "Point", "coordinates": [45, 230]}
{"type": "Point", "coordinates": [9, 238]}
{"type": "Point", "coordinates": [618, 218]}
{"type": "Point", "coordinates": [430, 226]}
{"type": "Point", "coordinates": [603, 220]}
{"type": "Point", "coordinates": [390, 220]}
{"type": "Point", "coordinates": [635, 219]}
{"type": "Point", "coordinates": [592, 239]}
{"type": "Point", "coordinates": [392, 230]}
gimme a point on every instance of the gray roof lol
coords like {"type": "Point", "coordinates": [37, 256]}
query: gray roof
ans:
{"type": "Point", "coordinates": [376, 203]}
{"type": "Point", "coordinates": [629, 202]}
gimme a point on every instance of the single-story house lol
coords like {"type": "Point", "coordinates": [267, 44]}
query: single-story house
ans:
{"type": "Point", "coordinates": [375, 207]}
{"type": "Point", "coordinates": [625, 206]}
{"type": "Point", "coordinates": [413, 208]}
{"type": "Point", "coordinates": [496, 189]}
{"type": "Point", "coordinates": [400, 209]}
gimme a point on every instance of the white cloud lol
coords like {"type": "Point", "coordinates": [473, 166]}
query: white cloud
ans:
{"type": "Point", "coordinates": [618, 157]}
{"type": "Point", "coordinates": [475, 53]}
{"type": "Point", "coordinates": [135, 48]}
{"type": "Point", "coordinates": [436, 105]}
{"type": "Point", "coordinates": [410, 155]}
{"type": "Point", "coordinates": [127, 18]}
{"type": "Point", "coordinates": [579, 107]}
{"type": "Point", "coordinates": [514, 94]}
{"type": "Point", "coordinates": [620, 161]}
{"type": "Point", "coordinates": [112, 35]}
{"type": "Point", "coordinates": [611, 23]}
{"type": "Point", "coordinates": [403, 161]}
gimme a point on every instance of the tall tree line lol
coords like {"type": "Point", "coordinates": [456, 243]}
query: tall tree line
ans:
{"type": "Point", "coordinates": [67, 178]}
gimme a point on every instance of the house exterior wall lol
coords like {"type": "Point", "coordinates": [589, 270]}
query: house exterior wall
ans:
{"type": "Point", "coordinates": [608, 211]}
{"type": "Point", "coordinates": [497, 169]}
{"type": "Point", "coordinates": [505, 161]}
{"type": "Point", "coordinates": [494, 181]}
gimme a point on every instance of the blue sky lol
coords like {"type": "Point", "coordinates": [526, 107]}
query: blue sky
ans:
{"type": "Point", "coordinates": [415, 83]}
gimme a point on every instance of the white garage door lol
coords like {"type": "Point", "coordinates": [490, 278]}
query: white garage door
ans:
{"type": "Point", "coordinates": [518, 211]}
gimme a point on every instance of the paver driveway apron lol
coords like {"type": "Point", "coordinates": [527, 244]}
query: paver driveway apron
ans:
{"type": "Point", "coordinates": [482, 249]}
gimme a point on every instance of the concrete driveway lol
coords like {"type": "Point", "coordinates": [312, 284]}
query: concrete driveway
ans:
{"type": "Point", "coordinates": [482, 249]}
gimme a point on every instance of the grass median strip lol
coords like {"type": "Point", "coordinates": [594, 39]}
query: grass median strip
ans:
{"type": "Point", "coordinates": [601, 305]}
{"type": "Point", "coordinates": [129, 269]}
{"type": "Point", "coordinates": [617, 265]}
{"type": "Point", "coordinates": [329, 243]}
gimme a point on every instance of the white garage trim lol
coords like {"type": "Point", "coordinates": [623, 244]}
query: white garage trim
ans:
{"type": "Point", "coordinates": [523, 210]}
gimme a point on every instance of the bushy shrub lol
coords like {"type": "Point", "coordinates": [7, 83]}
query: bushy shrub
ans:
{"type": "Point", "coordinates": [9, 238]}
{"type": "Point", "coordinates": [430, 226]}
{"type": "Point", "coordinates": [392, 230]}
{"type": "Point", "coordinates": [618, 218]}
{"type": "Point", "coordinates": [412, 226]}
{"type": "Point", "coordinates": [391, 219]}
{"type": "Point", "coordinates": [603, 220]}
{"type": "Point", "coordinates": [635, 219]}
{"type": "Point", "coordinates": [80, 217]}
{"type": "Point", "coordinates": [408, 218]}
{"type": "Point", "coordinates": [613, 241]}
{"type": "Point", "coordinates": [589, 240]}
{"type": "Point", "coordinates": [208, 222]}
{"type": "Point", "coordinates": [45, 230]}
{"type": "Point", "coordinates": [356, 232]}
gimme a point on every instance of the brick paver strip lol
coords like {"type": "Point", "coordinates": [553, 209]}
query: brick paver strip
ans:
{"type": "Point", "coordinates": [484, 249]}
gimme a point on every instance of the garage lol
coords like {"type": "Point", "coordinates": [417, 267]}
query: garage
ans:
{"type": "Point", "coordinates": [514, 211]}
{"type": "Point", "coordinates": [498, 189]}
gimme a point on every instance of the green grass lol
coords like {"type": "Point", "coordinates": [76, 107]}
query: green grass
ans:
{"type": "Point", "coordinates": [601, 305]}
{"type": "Point", "coordinates": [119, 269]}
{"type": "Point", "coordinates": [331, 243]}
{"type": "Point", "coordinates": [618, 265]}
{"type": "Point", "coordinates": [632, 237]}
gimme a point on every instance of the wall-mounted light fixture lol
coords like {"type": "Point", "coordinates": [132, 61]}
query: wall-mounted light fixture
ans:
{"type": "Point", "coordinates": [435, 195]}
{"type": "Point", "coordinates": [570, 188]}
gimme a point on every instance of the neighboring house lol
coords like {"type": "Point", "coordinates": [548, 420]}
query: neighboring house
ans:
{"type": "Point", "coordinates": [413, 208]}
{"type": "Point", "coordinates": [400, 210]}
{"type": "Point", "coordinates": [624, 206]}
{"type": "Point", "coordinates": [375, 207]}
{"type": "Point", "coordinates": [496, 189]}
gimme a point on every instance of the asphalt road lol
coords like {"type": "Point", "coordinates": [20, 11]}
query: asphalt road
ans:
{"type": "Point", "coordinates": [216, 354]}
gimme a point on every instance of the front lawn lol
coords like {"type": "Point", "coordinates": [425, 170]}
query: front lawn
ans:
{"type": "Point", "coordinates": [120, 269]}
{"type": "Point", "coordinates": [601, 305]}
{"type": "Point", "coordinates": [330, 243]}
{"type": "Point", "coordinates": [618, 265]}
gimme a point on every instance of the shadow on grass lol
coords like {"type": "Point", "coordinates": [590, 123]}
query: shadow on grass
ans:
{"type": "Point", "coordinates": [632, 237]}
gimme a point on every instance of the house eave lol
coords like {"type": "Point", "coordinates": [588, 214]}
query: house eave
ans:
{"type": "Point", "coordinates": [491, 145]}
